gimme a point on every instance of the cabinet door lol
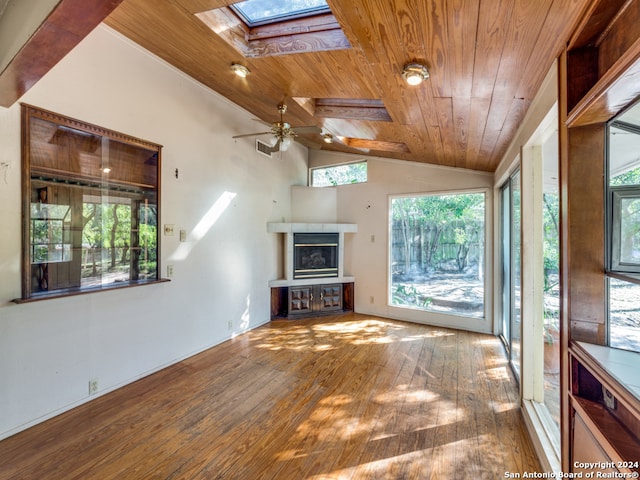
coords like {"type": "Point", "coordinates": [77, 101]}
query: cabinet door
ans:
{"type": "Point", "coordinates": [300, 300]}
{"type": "Point", "coordinates": [330, 297]}
{"type": "Point", "coordinates": [586, 449]}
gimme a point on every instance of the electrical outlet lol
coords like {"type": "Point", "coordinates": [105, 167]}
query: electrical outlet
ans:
{"type": "Point", "coordinates": [183, 235]}
{"type": "Point", "coordinates": [93, 386]}
{"type": "Point", "coordinates": [230, 324]}
{"type": "Point", "coordinates": [371, 299]}
{"type": "Point", "coordinates": [169, 271]}
{"type": "Point", "coordinates": [609, 399]}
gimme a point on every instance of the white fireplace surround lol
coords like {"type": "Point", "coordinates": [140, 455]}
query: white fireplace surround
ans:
{"type": "Point", "coordinates": [288, 229]}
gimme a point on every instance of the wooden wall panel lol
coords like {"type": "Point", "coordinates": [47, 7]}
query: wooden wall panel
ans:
{"type": "Point", "coordinates": [586, 231]}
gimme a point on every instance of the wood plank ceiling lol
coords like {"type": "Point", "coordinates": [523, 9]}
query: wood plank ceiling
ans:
{"type": "Point", "coordinates": [486, 58]}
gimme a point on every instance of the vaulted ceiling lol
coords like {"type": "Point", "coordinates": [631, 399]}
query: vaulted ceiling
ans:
{"type": "Point", "coordinates": [486, 59]}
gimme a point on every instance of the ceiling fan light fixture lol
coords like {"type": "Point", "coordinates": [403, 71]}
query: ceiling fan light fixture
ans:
{"type": "Point", "coordinates": [285, 144]}
{"type": "Point", "coordinates": [415, 73]}
{"type": "Point", "coordinates": [240, 70]}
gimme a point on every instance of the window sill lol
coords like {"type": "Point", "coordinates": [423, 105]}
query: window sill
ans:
{"type": "Point", "coordinates": [77, 291]}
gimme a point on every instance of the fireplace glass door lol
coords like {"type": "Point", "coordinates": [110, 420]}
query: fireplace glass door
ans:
{"type": "Point", "coordinates": [315, 255]}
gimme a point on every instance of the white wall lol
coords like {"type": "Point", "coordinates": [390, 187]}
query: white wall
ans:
{"type": "Point", "coordinates": [367, 204]}
{"type": "Point", "coordinates": [224, 196]}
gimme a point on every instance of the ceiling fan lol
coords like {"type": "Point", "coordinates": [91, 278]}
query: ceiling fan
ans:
{"type": "Point", "coordinates": [283, 133]}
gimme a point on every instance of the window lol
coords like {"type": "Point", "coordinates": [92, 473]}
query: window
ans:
{"type": "Point", "coordinates": [339, 174]}
{"type": "Point", "coordinates": [623, 230]}
{"type": "Point", "coordinates": [437, 253]}
{"type": "Point", "coordinates": [90, 205]}
{"type": "Point", "coordinates": [263, 28]}
{"type": "Point", "coordinates": [262, 12]}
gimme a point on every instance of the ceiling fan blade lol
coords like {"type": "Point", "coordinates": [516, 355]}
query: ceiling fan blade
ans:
{"type": "Point", "coordinates": [251, 134]}
{"type": "Point", "coordinates": [307, 129]}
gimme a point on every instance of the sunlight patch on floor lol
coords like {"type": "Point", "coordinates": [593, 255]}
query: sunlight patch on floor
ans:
{"type": "Point", "coordinates": [495, 374]}
{"type": "Point", "coordinates": [402, 393]}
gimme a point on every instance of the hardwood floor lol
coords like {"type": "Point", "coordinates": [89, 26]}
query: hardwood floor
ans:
{"type": "Point", "coordinates": [345, 397]}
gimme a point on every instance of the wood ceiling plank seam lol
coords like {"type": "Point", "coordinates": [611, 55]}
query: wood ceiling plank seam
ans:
{"type": "Point", "coordinates": [552, 38]}
{"type": "Point", "coordinates": [490, 44]}
{"type": "Point", "coordinates": [409, 30]}
{"type": "Point", "coordinates": [517, 112]}
{"type": "Point", "coordinates": [431, 122]}
{"type": "Point", "coordinates": [525, 26]}
{"type": "Point", "coordinates": [477, 124]}
{"type": "Point", "coordinates": [461, 124]}
{"type": "Point", "coordinates": [436, 45]}
{"type": "Point", "coordinates": [462, 28]}
{"type": "Point", "coordinates": [444, 114]}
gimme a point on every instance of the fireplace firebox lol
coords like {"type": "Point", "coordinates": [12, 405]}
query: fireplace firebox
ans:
{"type": "Point", "coordinates": [315, 255]}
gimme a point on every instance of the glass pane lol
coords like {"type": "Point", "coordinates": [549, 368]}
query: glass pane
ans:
{"type": "Point", "coordinates": [506, 264]}
{"type": "Point", "coordinates": [437, 253]}
{"type": "Point", "coordinates": [630, 230]}
{"type": "Point", "coordinates": [93, 209]}
{"type": "Point", "coordinates": [551, 306]}
{"type": "Point", "coordinates": [624, 315]}
{"type": "Point", "coordinates": [339, 175]}
{"type": "Point", "coordinates": [516, 308]}
{"type": "Point", "coordinates": [624, 143]}
{"type": "Point", "coordinates": [257, 12]}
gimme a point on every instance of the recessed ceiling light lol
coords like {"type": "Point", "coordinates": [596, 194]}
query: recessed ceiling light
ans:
{"type": "Point", "coordinates": [415, 73]}
{"type": "Point", "coordinates": [327, 138]}
{"type": "Point", "coordinates": [240, 70]}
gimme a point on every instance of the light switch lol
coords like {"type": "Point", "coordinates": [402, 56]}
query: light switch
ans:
{"type": "Point", "coordinates": [168, 229]}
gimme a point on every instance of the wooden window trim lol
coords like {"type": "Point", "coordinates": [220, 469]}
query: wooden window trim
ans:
{"type": "Point", "coordinates": [315, 33]}
{"type": "Point", "coordinates": [80, 179]}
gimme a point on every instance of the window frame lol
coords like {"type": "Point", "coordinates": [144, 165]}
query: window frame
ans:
{"type": "Point", "coordinates": [615, 268]}
{"type": "Point", "coordinates": [337, 165]}
{"type": "Point", "coordinates": [450, 319]}
{"type": "Point", "coordinates": [283, 17]}
{"type": "Point", "coordinates": [78, 181]}
{"type": "Point", "coordinates": [315, 33]}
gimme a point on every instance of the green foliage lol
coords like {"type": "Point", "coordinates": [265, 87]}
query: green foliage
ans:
{"type": "Point", "coordinates": [426, 225]}
{"type": "Point", "coordinates": [632, 177]}
{"type": "Point", "coordinates": [551, 239]}
{"type": "Point", "coordinates": [409, 295]}
{"type": "Point", "coordinates": [339, 175]}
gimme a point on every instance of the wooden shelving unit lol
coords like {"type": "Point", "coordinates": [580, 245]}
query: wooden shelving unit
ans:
{"type": "Point", "coordinates": [605, 412]}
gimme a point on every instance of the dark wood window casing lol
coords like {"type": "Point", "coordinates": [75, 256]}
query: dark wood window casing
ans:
{"type": "Point", "coordinates": [91, 207]}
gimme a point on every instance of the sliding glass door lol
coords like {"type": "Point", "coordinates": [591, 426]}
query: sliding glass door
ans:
{"type": "Point", "coordinates": [511, 269]}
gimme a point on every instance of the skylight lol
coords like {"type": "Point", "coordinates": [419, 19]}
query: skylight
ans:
{"type": "Point", "coordinates": [263, 12]}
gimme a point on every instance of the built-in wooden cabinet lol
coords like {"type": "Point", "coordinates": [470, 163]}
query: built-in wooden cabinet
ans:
{"type": "Point", "coordinates": [605, 411]}
{"type": "Point", "coordinates": [302, 301]}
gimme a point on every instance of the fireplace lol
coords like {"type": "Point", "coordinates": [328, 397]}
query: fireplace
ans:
{"type": "Point", "coordinates": [315, 255]}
